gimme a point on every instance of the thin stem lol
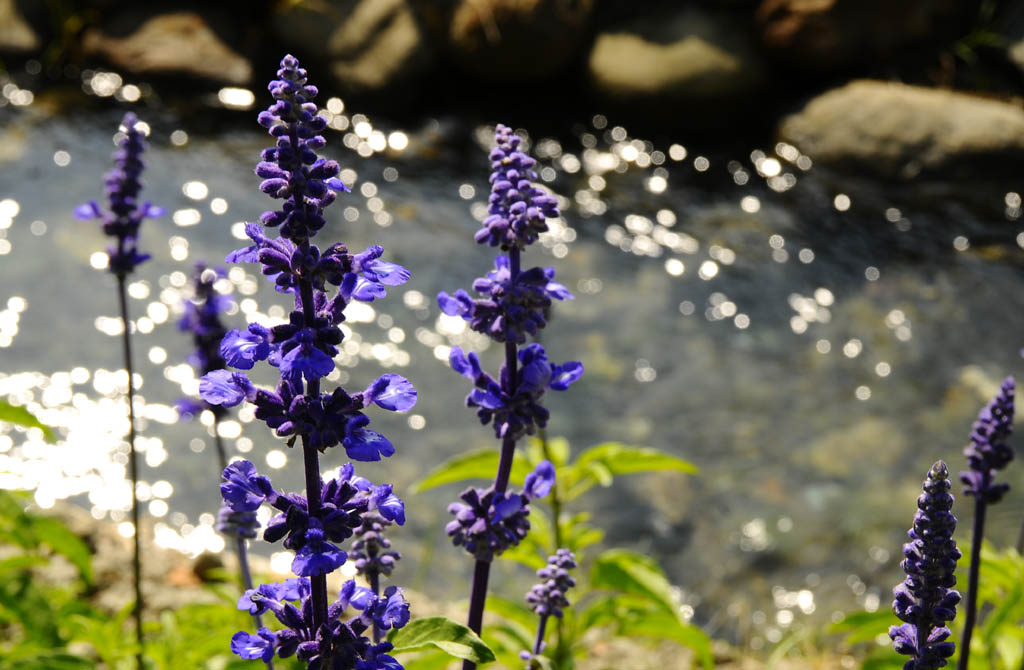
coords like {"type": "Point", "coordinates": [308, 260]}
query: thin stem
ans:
{"type": "Point", "coordinates": [971, 608]}
{"type": "Point", "coordinates": [538, 645]}
{"type": "Point", "coordinates": [222, 454]}
{"type": "Point", "coordinates": [133, 467]}
{"type": "Point", "coordinates": [375, 587]}
{"type": "Point", "coordinates": [482, 569]}
{"type": "Point", "coordinates": [1020, 539]}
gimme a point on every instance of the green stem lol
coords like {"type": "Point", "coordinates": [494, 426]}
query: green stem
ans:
{"type": "Point", "coordinates": [556, 515]}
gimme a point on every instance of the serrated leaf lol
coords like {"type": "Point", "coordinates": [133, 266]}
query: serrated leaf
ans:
{"type": "Point", "coordinates": [480, 464]}
{"type": "Point", "coordinates": [20, 416]}
{"type": "Point", "coordinates": [443, 633]}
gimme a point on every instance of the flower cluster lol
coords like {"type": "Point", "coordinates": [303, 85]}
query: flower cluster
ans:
{"type": "Point", "coordinates": [547, 598]}
{"type": "Point", "coordinates": [321, 284]}
{"type": "Point", "coordinates": [513, 406]}
{"type": "Point", "coordinates": [202, 320]}
{"type": "Point", "coordinates": [371, 551]}
{"type": "Point", "coordinates": [487, 521]}
{"type": "Point", "coordinates": [926, 600]}
{"type": "Point", "coordinates": [125, 212]}
{"type": "Point", "coordinates": [344, 500]}
{"type": "Point", "coordinates": [988, 450]}
{"type": "Point", "coordinates": [507, 308]}
{"type": "Point", "coordinates": [517, 209]}
{"type": "Point", "coordinates": [337, 644]}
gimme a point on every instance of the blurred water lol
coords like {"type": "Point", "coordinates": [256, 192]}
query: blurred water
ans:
{"type": "Point", "coordinates": [813, 342]}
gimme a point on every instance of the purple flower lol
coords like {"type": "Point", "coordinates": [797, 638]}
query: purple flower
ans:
{"type": "Point", "coordinates": [226, 388]}
{"type": "Point", "coordinates": [317, 556]}
{"type": "Point", "coordinates": [988, 450]}
{"type": "Point", "coordinates": [926, 601]}
{"type": "Point", "coordinates": [392, 392]}
{"type": "Point", "coordinates": [243, 489]}
{"type": "Point", "coordinates": [487, 523]}
{"type": "Point", "coordinates": [539, 482]}
{"type": "Point", "coordinates": [547, 598]}
{"type": "Point", "coordinates": [243, 350]}
{"type": "Point", "coordinates": [235, 523]}
{"type": "Point", "coordinates": [125, 212]}
{"type": "Point", "coordinates": [251, 647]}
{"type": "Point", "coordinates": [518, 209]}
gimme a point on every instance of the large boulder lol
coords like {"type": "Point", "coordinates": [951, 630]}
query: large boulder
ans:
{"type": "Point", "coordinates": [373, 47]}
{"type": "Point", "coordinates": [172, 43]}
{"type": "Point", "coordinates": [901, 130]}
{"type": "Point", "coordinates": [685, 55]}
{"type": "Point", "coordinates": [517, 39]}
{"type": "Point", "coordinates": [818, 35]}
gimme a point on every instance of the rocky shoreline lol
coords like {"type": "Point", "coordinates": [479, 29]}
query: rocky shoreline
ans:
{"type": "Point", "coordinates": [900, 89]}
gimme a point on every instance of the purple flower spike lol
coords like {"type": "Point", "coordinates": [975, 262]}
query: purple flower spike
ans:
{"type": "Point", "coordinates": [125, 213]}
{"type": "Point", "coordinates": [926, 601]}
{"type": "Point", "coordinates": [317, 556]}
{"type": "Point", "coordinates": [547, 598]}
{"type": "Point", "coordinates": [988, 450]}
{"type": "Point", "coordinates": [518, 209]}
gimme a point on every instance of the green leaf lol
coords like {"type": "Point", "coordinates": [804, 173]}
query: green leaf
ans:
{"type": "Point", "coordinates": [864, 626]}
{"type": "Point", "coordinates": [600, 463]}
{"type": "Point", "coordinates": [635, 574]}
{"type": "Point", "coordinates": [55, 534]}
{"type": "Point", "coordinates": [448, 636]}
{"type": "Point", "coordinates": [667, 626]}
{"type": "Point", "coordinates": [20, 416]}
{"type": "Point", "coordinates": [480, 464]}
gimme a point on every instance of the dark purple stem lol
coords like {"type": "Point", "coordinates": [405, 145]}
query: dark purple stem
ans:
{"type": "Point", "coordinates": [971, 608]}
{"type": "Point", "coordinates": [538, 645]}
{"type": "Point", "coordinates": [482, 569]}
{"type": "Point", "coordinates": [375, 587]}
{"type": "Point", "coordinates": [133, 465]}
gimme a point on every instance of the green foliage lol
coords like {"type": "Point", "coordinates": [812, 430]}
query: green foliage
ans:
{"type": "Point", "coordinates": [20, 416]}
{"type": "Point", "coordinates": [625, 593]}
{"type": "Point", "coordinates": [442, 633]}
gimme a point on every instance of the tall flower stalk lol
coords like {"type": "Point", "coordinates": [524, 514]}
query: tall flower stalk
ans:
{"type": "Point", "coordinates": [548, 598]}
{"type": "Point", "coordinates": [121, 221]}
{"type": "Point", "coordinates": [321, 284]}
{"type": "Point", "coordinates": [925, 600]}
{"type": "Point", "coordinates": [202, 320]}
{"type": "Point", "coordinates": [513, 304]}
{"type": "Point", "coordinates": [987, 453]}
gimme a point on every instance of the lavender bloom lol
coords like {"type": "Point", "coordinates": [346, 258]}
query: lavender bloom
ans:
{"type": "Point", "coordinates": [547, 598]}
{"type": "Point", "coordinates": [518, 412]}
{"type": "Point", "coordinates": [488, 522]}
{"type": "Point", "coordinates": [371, 553]}
{"type": "Point", "coordinates": [988, 450]}
{"type": "Point", "coordinates": [202, 319]}
{"type": "Point", "coordinates": [518, 209]}
{"type": "Point", "coordinates": [125, 212]}
{"type": "Point", "coordinates": [337, 644]}
{"type": "Point", "coordinates": [321, 283]}
{"type": "Point", "coordinates": [237, 524]}
{"type": "Point", "coordinates": [926, 600]}
{"type": "Point", "coordinates": [507, 308]}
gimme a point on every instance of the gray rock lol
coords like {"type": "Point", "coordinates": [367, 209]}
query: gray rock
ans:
{"type": "Point", "coordinates": [16, 35]}
{"type": "Point", "coordinates": [689, 55]}
{"type": "Point", "coordinates": [176, 43]}
{"type": "Point", "coordinates": [372, 46]}
{"type": "Point", "coordinates": [901, 130]}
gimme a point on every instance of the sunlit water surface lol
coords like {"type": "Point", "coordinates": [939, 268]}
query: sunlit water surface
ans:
{"type": "Point", "coordinates": [812, 342]}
